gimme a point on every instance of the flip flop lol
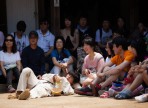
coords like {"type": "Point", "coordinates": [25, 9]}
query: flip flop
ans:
{"type": "Point", "coordinates": [105, 95]}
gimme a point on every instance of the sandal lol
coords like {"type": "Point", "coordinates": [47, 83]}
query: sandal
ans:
{"type": "Point", "coordinates": [84, 91]}
{"type": "Point", "coordinates": [105, 95]}
{"type": "Point", "coordinates": [95, 89]}
{"type": "Point", "coordinates": [122, 96]}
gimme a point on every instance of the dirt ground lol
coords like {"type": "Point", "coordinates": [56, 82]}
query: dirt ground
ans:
{"type": "Point", "coordinates": [73, 101]}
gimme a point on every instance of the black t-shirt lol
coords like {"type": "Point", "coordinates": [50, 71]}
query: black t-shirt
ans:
{"type": "Point", "coordinates": [34, 59]}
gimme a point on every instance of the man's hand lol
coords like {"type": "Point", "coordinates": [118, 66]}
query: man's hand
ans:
{"type": "Point", "coordinates": [142, 68]}
{"type": "Point", "coordinates": [134, 69]}
{"type": "Point", "coordinates": [131, 71]}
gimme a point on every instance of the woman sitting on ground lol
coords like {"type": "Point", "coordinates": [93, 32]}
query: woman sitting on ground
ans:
{"type": "Point", "coordinates": [92, 62]}
{"type": "Point", "coordinates": [61, 58]}
{"type": "Point", "coordinates": [10, 61]}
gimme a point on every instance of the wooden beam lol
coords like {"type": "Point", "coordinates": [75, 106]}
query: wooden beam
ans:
{"type": "Point", "coordinates": [55, 17]}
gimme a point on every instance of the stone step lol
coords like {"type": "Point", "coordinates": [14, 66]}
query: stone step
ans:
{"type": "Point", "coordinates": [3, 88]}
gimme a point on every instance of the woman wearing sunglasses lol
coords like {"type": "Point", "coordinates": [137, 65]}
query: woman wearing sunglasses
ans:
{"type": "Point", "coordinates": [10, 61]}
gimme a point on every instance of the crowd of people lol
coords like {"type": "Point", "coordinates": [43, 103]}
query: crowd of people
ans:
{"type": "Point", "coordinates": [112, 60]}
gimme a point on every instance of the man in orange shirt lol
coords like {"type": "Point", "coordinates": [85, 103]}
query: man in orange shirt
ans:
{"type": "Point", "coordinates": [122, 60]}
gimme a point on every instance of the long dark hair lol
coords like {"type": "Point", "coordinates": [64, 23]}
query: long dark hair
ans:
{"type": "Point", "coordinates": [140, 47]}
{"type": "Point", "coordinates": [14, 48]}
{"type": "Point", "coordinates": [110, 44]}
{"type": "Point", "coordinates": [123, 19]}
{"type": "Point", "coordinates": [59, 37]}
{"type": "Point", "coordinates": [62, 54]}
{"type": "Point", "coordinates": [72, 29]}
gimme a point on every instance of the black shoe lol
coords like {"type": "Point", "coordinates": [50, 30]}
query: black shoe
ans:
{"type": "Point", "coordinates": [84, 91]}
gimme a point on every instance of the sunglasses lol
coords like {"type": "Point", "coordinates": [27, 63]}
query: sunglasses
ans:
{"type": "Point", "coordinates": [10, 40]}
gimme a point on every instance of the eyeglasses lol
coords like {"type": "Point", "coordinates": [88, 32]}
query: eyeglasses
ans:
{"type": "Point", "coordinates": [10, 40]}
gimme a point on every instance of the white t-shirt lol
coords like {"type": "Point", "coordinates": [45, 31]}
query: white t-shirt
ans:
{"type": "Point", "coordinates": [108, 60]}
{"type": "Point", "coordinates": [104, 37]}
{"type": "Point", "coordinates": [21, 43]}
{"type": "Point", "coordinates": [9, 59]}
{"type": "Point", "coordinates": [93, 64]}
{"type": "Point", "coordinates": [45, 41]}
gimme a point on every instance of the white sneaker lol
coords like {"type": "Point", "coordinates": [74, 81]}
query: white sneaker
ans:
{"type": "Point", "coordinates": [142, 98]}
{"type": "Point", "coordinates": [111, 92]}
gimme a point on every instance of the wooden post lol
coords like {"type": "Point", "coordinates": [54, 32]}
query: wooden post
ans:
{"type": "Point", "coordinates": [55, 17]}
{"type": "Point", "coordinates": [134, 13]}
{"type": "Point", "coordinates": [3, 16]}
{"type": "Point", "coordinates": [130, 10]}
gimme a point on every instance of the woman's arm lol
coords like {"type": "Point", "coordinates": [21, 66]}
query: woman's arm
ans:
{"type": "Point", "coordinates": [85, 71]}
{"type": "Point", "coordinates": [19, 65]}
{"type": "Point", "coordinates": [3, 69]}
{"type": "Point", "coordinates": [100, 63]}
{"type": "Point", "coordinates": [70, 61]}
{"type": "Point", "coordinates": [55, 62]}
